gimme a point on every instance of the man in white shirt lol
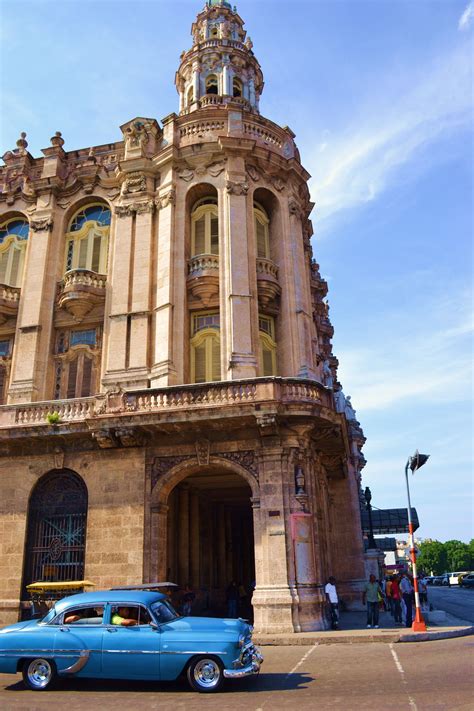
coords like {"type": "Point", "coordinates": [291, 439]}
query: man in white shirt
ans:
{"type": "Point", "coordinates": [333, 601]}
{"type": "Point", "coordinates": [407, 594]}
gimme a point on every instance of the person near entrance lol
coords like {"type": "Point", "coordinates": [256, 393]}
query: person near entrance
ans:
{"type": "Point", "coordinates": [371, 595]}
{"type": "Point", "coordinates": [188, 600]}
{"type": "Point", "coordinates": [333, 602]}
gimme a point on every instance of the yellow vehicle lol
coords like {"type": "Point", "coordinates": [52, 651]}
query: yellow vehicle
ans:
{"type": "Point", "coordinates": [43, 594]}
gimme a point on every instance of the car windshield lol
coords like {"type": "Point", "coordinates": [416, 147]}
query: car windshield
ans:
{"type": "Point", "coordinates": [163, 611]}
{"type": "Point", "coordinates": [49, 616]}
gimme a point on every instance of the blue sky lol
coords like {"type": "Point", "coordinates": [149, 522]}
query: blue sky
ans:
{"type": "Point", "coordinates": [379, 95]}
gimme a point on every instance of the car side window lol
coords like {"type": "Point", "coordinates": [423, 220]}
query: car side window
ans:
{"type": "Point", "coordinates": [129, 615]}
{"type": "Point", "coordinates": [84, 615]}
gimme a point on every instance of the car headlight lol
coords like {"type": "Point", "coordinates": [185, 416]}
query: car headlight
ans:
{"type": "Point", "coordinates": [241, 640]}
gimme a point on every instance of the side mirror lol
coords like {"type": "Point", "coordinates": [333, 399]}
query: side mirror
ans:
{"type": "Point", "coordinates": [154, 626]}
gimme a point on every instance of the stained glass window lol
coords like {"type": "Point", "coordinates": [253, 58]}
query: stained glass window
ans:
{"type": "Point", "coordinates": [97, 213]}
{"type": "Point", "coordinates": [87, 338]}
{"type": "Point", "coordinates": [4, 348]}
{"type": "Point", "coordinates": [18, 228]}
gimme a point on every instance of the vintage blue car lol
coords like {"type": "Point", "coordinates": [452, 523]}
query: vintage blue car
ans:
{"type": "Point", "coordinates": [127, 634]}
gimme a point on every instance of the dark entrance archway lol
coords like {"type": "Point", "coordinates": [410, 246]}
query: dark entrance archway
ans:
{"type": "Point", "coordinates": [211, 538]}
{"type": "Point", "coordinates": [56, 532]}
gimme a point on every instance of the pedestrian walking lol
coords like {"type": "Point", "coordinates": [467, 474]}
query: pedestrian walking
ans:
{"type": "Point", "coordinates": [396, 598]}
{"type": "Point", "coordinates": [407, 595]}
{"type": "Point", "coordinates": [333, 602]}
{"type": "Point", "coordinates": [371, 596]}
{"type": "Point", "coordinates": [388, 595]}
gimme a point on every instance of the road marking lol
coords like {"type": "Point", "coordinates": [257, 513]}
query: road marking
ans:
{"type": "Point", "coordinates": [297, 666]}
{"type": "Point", "coordinates": [398, 664]}
{"type": "Point", "coordinates": [302, 660]}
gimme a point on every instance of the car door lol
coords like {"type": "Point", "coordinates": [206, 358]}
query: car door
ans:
{"type": "Point", "coordinates": [131, 652]}
{"type": "Point", "coordinates": [78, 641]}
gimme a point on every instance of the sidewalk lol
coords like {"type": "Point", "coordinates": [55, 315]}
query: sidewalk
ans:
{"type": "Point", "coordinates": [353, 630]}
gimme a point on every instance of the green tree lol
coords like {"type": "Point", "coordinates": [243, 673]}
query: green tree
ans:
{"type": "Point", "coordinates": [458, 555]}
{"type": "Point", "coordinates": [471, 553]}
{"type": "Point", "coordinates": [432, 557]}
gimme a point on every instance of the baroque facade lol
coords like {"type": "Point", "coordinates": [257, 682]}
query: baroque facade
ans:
{"type": "Point", "coordinates": [170, 404]}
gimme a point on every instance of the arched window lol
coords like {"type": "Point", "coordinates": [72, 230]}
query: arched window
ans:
{"type": "Point", "coordinates": [267, 346]}
{"type": "Point", "coordinates": [56, 537]}
{"type": "Point", "coordinates": [76, 363]}
{"type": "Point", "coordinates": [214, 32]}
{"type": "Point", "coordinates": [261, 223]}
{"type": "Point", "coordinates": [205, 227]}
{"type": "Point", "coordinates": [205, 347]}
{"type": "Point", "coordinates": [236, 87]}
{"type": "Point", "coordinates": [87, 239]}
{"type": "Point", "coordinates": [212, 85]}
{"type": "Point", "coordinates": [13, 241]}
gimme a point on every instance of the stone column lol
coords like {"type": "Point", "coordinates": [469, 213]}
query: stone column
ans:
{"type": "Point", "coordinates": [158, 548]}
{"type": "Point", "coordinates": [116, 327]}
{"type": "Point", "coordinates": [32, 339]}
{"type": "Point", "coordinates": [167, 339]}
{"type": "Point", "coordinates": [183, 536]}
{"type": "Point", "coordinates": [140, 298]}
{"type": "Point", "coordinates": [272, 599]}
{"type": "Point", "coordinates": [195, 540]}
{"type": "Point", "coordinates": [347, 545]}
{"type": "Point", "coordinates": [226, 80]}
{"type": "Point", "coordinates": [221, 548]}
{"type": "Point", "coordinates": [196, 81]}
{"type": "Point", "coordinates": [302, 295]}
{"type": "Point", "coordinates": [238, 354]}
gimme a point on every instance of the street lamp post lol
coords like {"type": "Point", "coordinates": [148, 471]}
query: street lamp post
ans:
{"type": "Point", "coordinates": [368, 499]}
{"type": "Point", "coordinates": [415, 463]}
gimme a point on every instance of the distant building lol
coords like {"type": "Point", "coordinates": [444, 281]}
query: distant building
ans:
{"type": "Point", "coordinates": [166, 365]}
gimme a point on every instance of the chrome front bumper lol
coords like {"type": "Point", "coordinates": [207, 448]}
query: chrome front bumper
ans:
{"type": "Point", "coordinates": [251, 668]}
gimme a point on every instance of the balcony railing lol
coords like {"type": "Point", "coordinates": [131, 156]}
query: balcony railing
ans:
{"type": "Point", "coordinates": [203, 396]}
{"type": "Point", "coordinates": [9, 300]}
{"type": "Point", "coordinates": [203, 276]}
{"type": "Point", "coordinates": [267, 281]}
{"type": "Point", "coordinates": [80, 291]}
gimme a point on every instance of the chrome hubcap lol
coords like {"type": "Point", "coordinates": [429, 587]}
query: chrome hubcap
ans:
{"type": "Point", "coordinates": [207, 673]}
{"type": "Point", "coordinates": [39, 672]}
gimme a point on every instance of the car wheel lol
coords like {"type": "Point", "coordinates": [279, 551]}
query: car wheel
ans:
{"type": "Point", "coordinates": [39, 674]}
{"type": "Point", "coordinates": [205, 674]}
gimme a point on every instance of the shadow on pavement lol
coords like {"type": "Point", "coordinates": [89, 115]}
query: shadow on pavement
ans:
{"type": "Point", "coordinates": [262, 682]}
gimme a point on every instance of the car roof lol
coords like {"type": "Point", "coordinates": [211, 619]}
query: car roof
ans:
{"type": "Point", "coordinates": [114, 596]}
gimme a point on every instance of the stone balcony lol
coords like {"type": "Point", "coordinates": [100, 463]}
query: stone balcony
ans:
{"type": "Point", "coordinates": [134, 418]}
{"type": "Point", "coordinates": [80, 291]}
{"type": "Point", "coordinates": [9, 300]}
{"type": "Point", "coordinates": [203, 277]}
{"type": "Point", "coordinates": [267, 281]}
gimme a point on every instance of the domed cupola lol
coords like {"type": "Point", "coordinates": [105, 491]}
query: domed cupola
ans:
{"type": "Point", "coordinates": [221, 67]}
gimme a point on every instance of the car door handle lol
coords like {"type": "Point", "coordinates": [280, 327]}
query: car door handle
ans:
{"type": "Point", "coordinates": [112, 629]}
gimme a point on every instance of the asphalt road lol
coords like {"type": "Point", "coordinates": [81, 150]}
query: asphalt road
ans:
{"type": "Point", "coordinates": [457, 601]}
{"type": "Point", "coordinates": [365, 677]}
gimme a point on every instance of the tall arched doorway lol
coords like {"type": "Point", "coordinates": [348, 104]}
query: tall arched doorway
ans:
{"type": "Point", "coordinates": [56, 534]}
{"type": "Point", "coordinates": [210, 538]}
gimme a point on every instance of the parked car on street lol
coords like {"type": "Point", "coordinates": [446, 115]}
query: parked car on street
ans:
{"type": "Point", "coordinates": [127, 634]}
{"type": "Point", "coordinates": [437, 580]}
{"type": "Point", "coordinates": [467, 581]}
{"type": "Point", "coordinates": [454, 577]}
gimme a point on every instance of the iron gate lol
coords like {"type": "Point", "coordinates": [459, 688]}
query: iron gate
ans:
{"type": "Point", "coordinates": [56, 539]}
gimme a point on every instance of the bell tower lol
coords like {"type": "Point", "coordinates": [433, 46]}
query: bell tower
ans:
{"type": "Point", "coordinates": [220, 67]}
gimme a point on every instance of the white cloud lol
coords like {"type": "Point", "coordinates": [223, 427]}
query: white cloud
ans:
{"type": "Point", "coordinates": [413, 359]}
{"type": "Point", "coordinates": [355, 168]}
{"type": "Point", "coordinates": [466, 18]}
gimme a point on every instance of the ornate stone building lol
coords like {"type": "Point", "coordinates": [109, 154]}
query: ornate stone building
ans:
{"type": "Point", "coordinates": [170, 404]}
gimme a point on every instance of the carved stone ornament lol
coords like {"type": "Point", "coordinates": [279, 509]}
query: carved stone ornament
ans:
{"type": "Point", "coordinates": [41, 225]}
{"type": "Point", "coordinates": [216, 169]}
{"type": "Point", "coordinates": [267, 423]}
{"type": "Point", "coordinates": [162, 465]}
{"type": "Point", "coordinates": [245, 459]}
{"type": "Point", "coordinates": [203, 448]}
{"type": "Point", "coordinates": [186, 174]}
{"type": "Point", "coordinates": [128, 437]}
{"type": "Point", "coordinates": [104, 439]}
{"type": "Point", "coordinates": [135, 208]}
{"type": "Point", "coordinates": [294, 207]}
{"type": "Point", "coordinates": [278, 183]}
{"type": "Point", "coordinates": [234, 188]}
{"type": "Point", "coordinates": [253, 172]}
{"type": "Point", "coordinates": [134, 183]}
{"type": "Point", "coordinates": [168, 198]}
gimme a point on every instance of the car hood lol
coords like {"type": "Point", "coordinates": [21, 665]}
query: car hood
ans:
{"type": "Point", "coordinates": [225, 626]}
{"type": "Point", "coordinates": [18, 626]}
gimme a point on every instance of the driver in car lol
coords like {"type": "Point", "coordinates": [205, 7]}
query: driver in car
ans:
{"type": "Point", "coordinates": [122, 617]}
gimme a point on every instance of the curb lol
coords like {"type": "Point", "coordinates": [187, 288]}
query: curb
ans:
{"type": "Point", "coordinates": [298, 639]}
